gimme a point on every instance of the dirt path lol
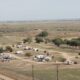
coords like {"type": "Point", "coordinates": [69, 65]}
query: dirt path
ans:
{"type": "Point", "coordinates": [2, 77]}
{"type": "Point", "coordinates": [64, 54]}
{"type": "Point", "coordinates": [22, 59]}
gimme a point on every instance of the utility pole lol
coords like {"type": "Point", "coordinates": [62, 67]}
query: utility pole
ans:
{"type": "Point", "coordinates": [57, 65]}
{"type": "Point", "coordinates": [32, 72]}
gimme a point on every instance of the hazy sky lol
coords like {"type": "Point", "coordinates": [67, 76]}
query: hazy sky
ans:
{"type": "Point", "coordinates": [39, 9]}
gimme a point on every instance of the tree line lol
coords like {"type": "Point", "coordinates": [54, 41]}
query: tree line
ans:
{"type": "Point", "coordinates": [75, 42]}
{"type": "Point", "coordinates": [42, 37]}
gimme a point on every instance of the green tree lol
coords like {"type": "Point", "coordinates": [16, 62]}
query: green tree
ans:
{"type": "Point", "coordinates": [73, 42]}
{"type": "Point", "coordinates": [43, 34]}
{"type": "Point", "coordinates": [58, 41]}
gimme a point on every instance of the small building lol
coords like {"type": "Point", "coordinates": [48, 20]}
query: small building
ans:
{"type": "Point", "coordinates": [6, 57]}
{"type": "Point", "coordinates": [42, 58]}
{"type": "Point", "coordinates": [39, 58]}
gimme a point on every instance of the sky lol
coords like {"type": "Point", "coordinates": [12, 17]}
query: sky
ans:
{"type": "Point", "coordinates": [21, 10]}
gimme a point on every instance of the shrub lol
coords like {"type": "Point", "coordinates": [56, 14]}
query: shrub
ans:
{"type": "Point", "coordinates": [47, 40]}
{"type": "Point", "coordinates": [29, 40]}
{"type": "Point", "coordinates": [1, 50]}
{"type": "Point", "coordinates": [43, 34]}
{"type": "Point", "coordinates": [75, 62]}
{"type": "Point", "coordinates": [78, 53]}
{"type": "Point", "coordinates": [52, 57]}
{"type": "Point", "coordinates": [8, 48]}
{"type": "Point", "coordinates": [28, 54]}
{"type": "Point", "coordinates": [61, 59]}
{"type": "Point", "coordinates": [39, 39]}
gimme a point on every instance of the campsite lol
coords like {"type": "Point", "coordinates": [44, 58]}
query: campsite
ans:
{"type": "Point", "coordinates": [34, 50]}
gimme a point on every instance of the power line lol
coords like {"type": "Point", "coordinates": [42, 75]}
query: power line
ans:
{"type": "Point", "coordinates": [32, 72]}
{"type": "Point", "coordinates": [57, 66]}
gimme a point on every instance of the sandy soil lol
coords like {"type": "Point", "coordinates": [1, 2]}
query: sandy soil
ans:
{"type": "Point", "coordinates": [2, 77]}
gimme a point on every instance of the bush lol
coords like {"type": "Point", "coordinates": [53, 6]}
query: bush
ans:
{"type": "Point", "coordinates": [8, 48]}
{"type": "Point", "coordinates": [29, 40]}
{"type": "Point", "coordinates": [47, 40]}
{"type": "Point", "coordinates": [39, 39]}
{"type": "Point", "coordinates": [52, 57]}
{"type": "Point", "coordinates": [28, 54]}
{"type": "Point", "coordinates": [78, 53]}
{"type": "Point", "coordinates": [75, 62]}
{"type": "Point", "coordinates": [43, 34]}
{"type": "Point", "coordinates": [61, 59]}
{"type": "Point", "coordinates": [1, 50]}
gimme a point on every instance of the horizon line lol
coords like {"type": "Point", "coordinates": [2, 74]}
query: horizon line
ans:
{"type": "Point", "coordinates": [10, 21]}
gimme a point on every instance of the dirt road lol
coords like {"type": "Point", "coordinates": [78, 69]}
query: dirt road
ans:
{"type": "Point", "coordinates": [2, 77]}
{"type": "Point", "coordinates": [64, 54]}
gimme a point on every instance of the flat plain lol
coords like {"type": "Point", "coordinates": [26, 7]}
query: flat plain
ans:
{"type": "Point", "coordinates": [19, 69]}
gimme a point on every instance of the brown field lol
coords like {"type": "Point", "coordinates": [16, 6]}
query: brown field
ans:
{"type": "Point", "coordinates": [19, 69]}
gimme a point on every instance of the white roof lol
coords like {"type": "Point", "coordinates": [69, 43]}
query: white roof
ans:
{"type": "Point", "coordinates": [40, 56]}
{"type": "Point", "coordinates": [6, 54]}
{"type": "Point", "coordinates": [19, 52]}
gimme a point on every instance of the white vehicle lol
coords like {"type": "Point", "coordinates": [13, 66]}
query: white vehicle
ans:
{"type": "Point", "coordinates": [19, 52]}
